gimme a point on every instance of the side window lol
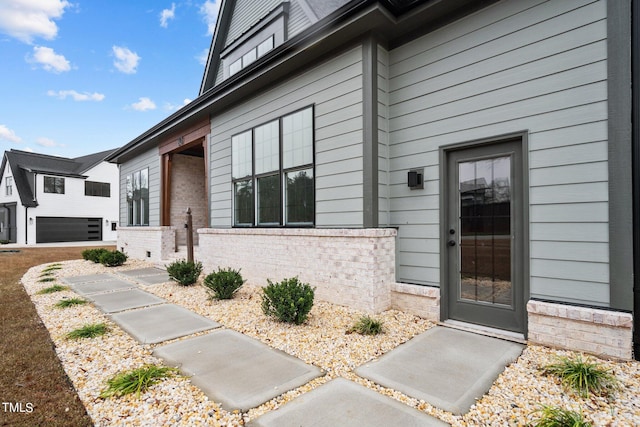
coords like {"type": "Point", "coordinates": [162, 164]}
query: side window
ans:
{"type": "Point", "coordinates": [54, 185]}
{"type": "Point", "coordinates": [137, 188]}
{"type": "Point", "coordinates": [9, 185]}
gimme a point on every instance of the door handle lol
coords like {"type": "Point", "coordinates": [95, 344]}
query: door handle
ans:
{"type": "Point", "coordinates": [451, 243]}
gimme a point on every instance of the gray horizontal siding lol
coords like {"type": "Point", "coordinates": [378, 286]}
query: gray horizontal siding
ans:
{"type": "Point", "coordinates": [335, 89]}
{"type": "Point", "coordinates": [149, 159]}
{"type": "Point", "coordinates": [537, 66]}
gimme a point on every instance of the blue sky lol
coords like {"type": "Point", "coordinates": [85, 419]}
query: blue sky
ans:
{"type": "Point", "coordinates": [78, 77]}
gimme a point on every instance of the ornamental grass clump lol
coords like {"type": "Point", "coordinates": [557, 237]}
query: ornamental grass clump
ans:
{"type": "Point", "coordinates": [113, 258]}
{"type": "Point", "coordinates": [582, 376]}
{"type": "Point", "coordinates": [52, 289]}
{"type": "Point", "coordinates": [70, 302]}
{"type": "Point", "coordinates": [366, 325]}
{"type": "Point", "coordinates": [558, 417]}
{"type": "Point", "coordinates": [136, 381]}
{"type": "Point", "coordinates": [288, 301]}
{"type": "Point", "coordinates": [88, 331]}
{"type": "Point", "coordinates": [223, 284]}
{"type": "Point", "coordinates": [185, 272]}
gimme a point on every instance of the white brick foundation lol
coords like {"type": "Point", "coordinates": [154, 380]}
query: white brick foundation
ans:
{"type": "Point", "coordinates": [352, 267]}
{"type": "Point", "coordinates": [423, 301]}
{"type": "Point", "coordinates": [598, 331]}
{"type": "Point", "coordinates": [149, 243]}
{"type": "Point", "coordinates": [356, 268]}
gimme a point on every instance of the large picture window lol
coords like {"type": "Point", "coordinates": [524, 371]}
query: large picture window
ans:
{"type": "Point", "coordinates": [138, 198]}
{"type": "Point", "coordinates": [272, 172]}
{"type": "Point", "coordinates": [54, 184]}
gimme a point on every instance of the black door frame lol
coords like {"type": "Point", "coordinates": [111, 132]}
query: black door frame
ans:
{"type": "Point", "coordinates": [521, 136]}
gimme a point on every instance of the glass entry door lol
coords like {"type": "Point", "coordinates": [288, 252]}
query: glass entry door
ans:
{"type": "Point", "coordinates": [484, 238]}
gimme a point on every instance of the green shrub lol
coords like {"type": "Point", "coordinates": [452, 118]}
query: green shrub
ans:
{"type": "Point", "coordinates": [136, 381]}
{"type": "Point", "coordinates": [4, 242]}
{"type": "Point", "coordinates": [88, 331]}
{"type": "Point", "coordinates": [288, 301]}
{"type": "Point", "coordinates": [94, 254]}
{"type": "Point", "coordinates": [366, 326]}
{"type": "Point", "coordinates": [582, 376]}
{"type": "Point", "coordinates": [52, 289]}
{"type": "Point", "coordinates": [70, 302]}
{"type": "Point", "coordinates": [185, 272]}
{"type": "Point", "coordinates": [113, 258]}
{"type": "Point", "coordinates": [223, 284]}
{"type": "Point", "coordinates": [46, 279]}
{"type": "Point", "coordinates": [558, 417]}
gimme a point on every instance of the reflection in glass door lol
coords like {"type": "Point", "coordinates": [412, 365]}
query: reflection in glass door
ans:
{"type": "Point", "coordinates": [485, 230]}
{"type": "Point", "coordinates": [484, 255]}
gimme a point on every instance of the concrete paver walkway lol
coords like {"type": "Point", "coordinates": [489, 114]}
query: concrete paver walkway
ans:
{"type": "Point", "coordinates": [127, 299]}
{"type": "Point", "coordinates": [159, 323]}
{"type": "Point", "coordinates": [343, 403]}
{"type": "Point", "coordinates": [237, 371]}
{"type": "Point", "coordinates": [445, 367]}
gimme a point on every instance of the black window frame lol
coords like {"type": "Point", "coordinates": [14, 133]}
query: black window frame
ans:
{"type": "Point", "coordinates": [139, 217]}
{"type": "Point", "coordinates": [241, 59]}
{"type": "Point", "coordinates": [281, 173]}
{"type": "Point", "coordinates": [97, 189]}
{"type": "Point", "coordinates": [53, 185]}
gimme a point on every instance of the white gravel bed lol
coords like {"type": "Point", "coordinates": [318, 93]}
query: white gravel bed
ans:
{"type": "Point", "coordinates": [321, 341]}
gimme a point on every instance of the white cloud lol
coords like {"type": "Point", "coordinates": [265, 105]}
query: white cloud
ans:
{"type": "Point", "coordinates": [209, 10]}
{"type": "Point", "coordinates": [48, 142]}
{"type": "Point", "coordinates": [126, 61]}
{"type": "Point", "coordinates": [49, 59]}
{"type": "Point", "coordinates": [166, 15]}
{"type": "Point", "coordinates": [171, 107]}
{"type": "Point", "coordinates": [28, 19]}
{"type": "Point", "coordinates": [143, 104]}
{"type": "Point", "coordinates": [7, 134]}
{"type": "Point", "coordinates": [203, 57]}
{"type": "Point", "coordinates": [76, 96]}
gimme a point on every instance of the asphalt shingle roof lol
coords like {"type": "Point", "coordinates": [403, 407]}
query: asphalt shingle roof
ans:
{"type": "Point", "coordinates": [24, 165]}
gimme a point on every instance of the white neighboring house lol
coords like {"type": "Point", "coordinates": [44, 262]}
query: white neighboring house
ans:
{"type": "Point", "coordinates": [45, 199]}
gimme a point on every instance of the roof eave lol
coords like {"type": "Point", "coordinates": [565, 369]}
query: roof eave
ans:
{"type": "Point", "coordinates": [238, 84]}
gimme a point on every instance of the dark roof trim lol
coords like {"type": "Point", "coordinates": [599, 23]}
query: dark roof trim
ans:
{"type": "Point", "coordinates": [217, 44]}
{"type": "Point", "coordinates": [55, 173]}
{"type": "Point", "coordinates": [388, 12]}
{"type": "Point", "coordinates": [203, 100]}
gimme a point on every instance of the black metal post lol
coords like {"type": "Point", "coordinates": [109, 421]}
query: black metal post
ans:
{"type": "Point", "coordinates": [189, 226]}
